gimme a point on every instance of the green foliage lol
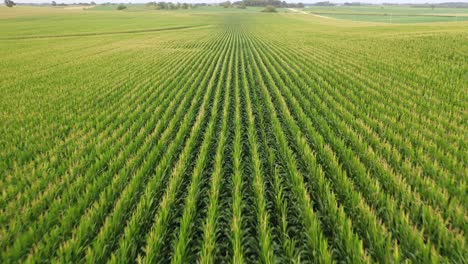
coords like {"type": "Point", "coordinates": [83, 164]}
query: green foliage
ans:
{"type": "Point", "coordinates": [269, 9]}
{"type": "Point", "coordinates": [9, 3]}
{"type": "Point", "coordinates": [226, 4]}
{"type": "Point", "coordinates": [121, 7]}
{"type": "Point", "coordinates": [241, 6]}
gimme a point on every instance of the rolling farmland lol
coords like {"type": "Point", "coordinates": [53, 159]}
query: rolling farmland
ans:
{"type": "Point", "coordinates": [244, 137]}
{"type": "Point", "coordinates": [392, 14]}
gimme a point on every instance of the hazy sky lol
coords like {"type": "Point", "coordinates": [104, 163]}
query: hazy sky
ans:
{"type": "Point", "coordinates": [217, 1]}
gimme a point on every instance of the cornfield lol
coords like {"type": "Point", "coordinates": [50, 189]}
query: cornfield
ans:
{"type": "Point", "coordinates": [245, 138]}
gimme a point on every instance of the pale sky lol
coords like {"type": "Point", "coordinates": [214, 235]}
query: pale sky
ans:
{"type": "Point", "coordinates": [217, 1]}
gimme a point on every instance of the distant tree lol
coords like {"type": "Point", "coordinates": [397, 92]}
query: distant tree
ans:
{"type": "Point", "coordinates": [54, 3]}
{"type": "Point", "coordinates": [300, 5]}
{"type": "Point", "coordinates": [9, 3]}
{"type": "Point", "coordinates": [93, 3]}
{"type": "Point", "coordinates": [226, 4]}
{"type": "Point", "coordinates": [241, 6]}
{"type": "Point", "coordinates": [185, 6]}
{"type": "Point", "coordinates": [121, 7]}
{"type": "Point", "coordinates": [162, 5]}
{"type": "Point", "coordinates": [269, 9]}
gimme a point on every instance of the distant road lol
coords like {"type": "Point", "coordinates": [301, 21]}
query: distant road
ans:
{"type": "Point", "coordinates": [304, 12]}
{"type": "Point", "coordinates": [297, 11]}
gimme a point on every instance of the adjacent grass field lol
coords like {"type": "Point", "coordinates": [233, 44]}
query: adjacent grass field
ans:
{"type": "Point", "coordinates": [392, 14]}
{"type": "Point", "coordinates": [244, 137]}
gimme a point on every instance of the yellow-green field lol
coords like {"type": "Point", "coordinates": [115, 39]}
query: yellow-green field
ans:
{"type": "Point", "coordinates": [224, 135]}
{"type": "Point", "coordinates": [391, 14]}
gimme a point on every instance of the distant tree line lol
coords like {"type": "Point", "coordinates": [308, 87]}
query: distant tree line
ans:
{"type": "Point", "coordinates": [353, 4]}
{"type": "Point", "coordinates": [443, 5]}
{"type": "Point", "coordinates": [53, 3]}
{"type": "Point", "coordinates": [169, 5]}
{"type": "Point", "coordinates": [238, 4]}
{"type": "Point", "coordinates": [90, 3]}
{"type": "Point", "coordinates": [59, 4]}
{"type": "Point", "coordinates": [274, 3]}
{"type": "Point", "coordinates": [325, 3]}
{"type": "Point", "coordinates": [10, 3]}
